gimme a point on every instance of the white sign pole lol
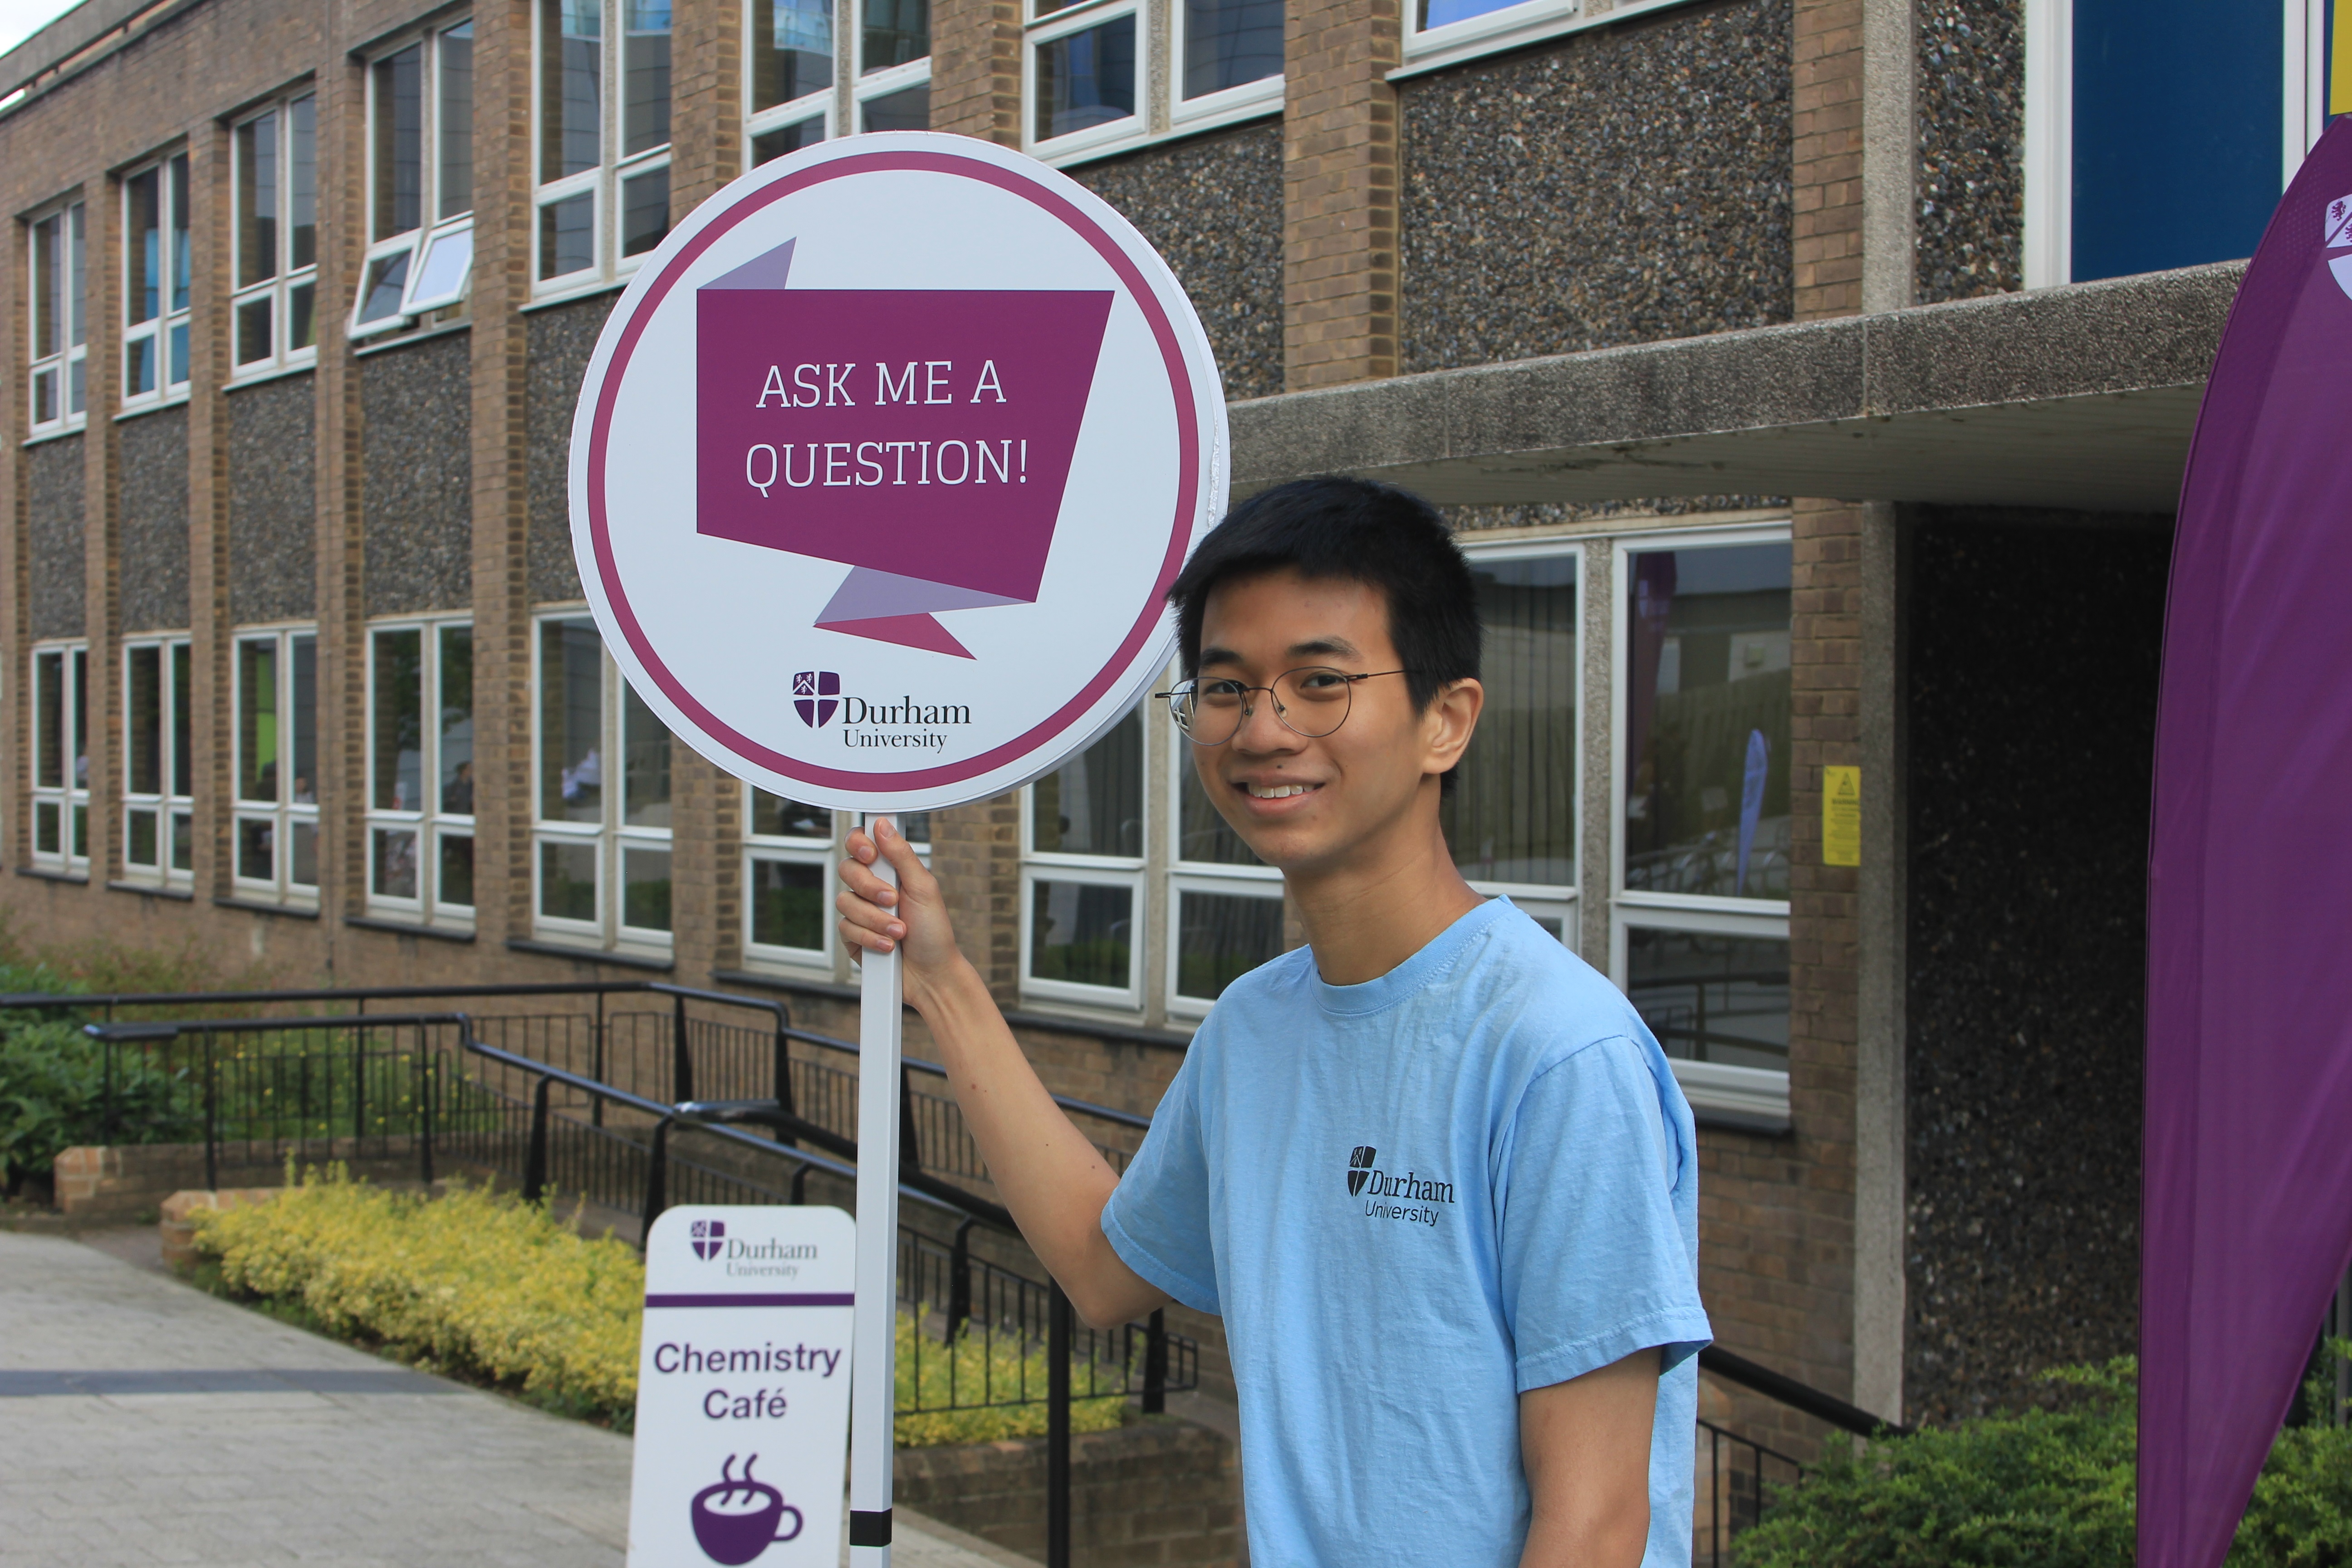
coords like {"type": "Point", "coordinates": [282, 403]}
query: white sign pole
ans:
{"type": "Point", "coordinates": [872, 1388]}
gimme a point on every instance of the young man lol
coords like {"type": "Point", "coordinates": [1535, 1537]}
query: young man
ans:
{"type": "Point", "coordinates": [1430, 1169]}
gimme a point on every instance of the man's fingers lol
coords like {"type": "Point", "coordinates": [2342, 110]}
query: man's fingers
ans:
{"type": "Point", "coordinates": [898, 851]}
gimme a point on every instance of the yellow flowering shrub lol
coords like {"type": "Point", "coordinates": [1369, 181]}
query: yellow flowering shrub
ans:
{"type": "Point", "coordinates": [481, 1283]}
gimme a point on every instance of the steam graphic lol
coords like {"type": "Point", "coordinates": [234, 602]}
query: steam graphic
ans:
{"type": "Point", "coordinates": [922, 437]}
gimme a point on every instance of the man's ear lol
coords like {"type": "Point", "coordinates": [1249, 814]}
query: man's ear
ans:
{"type": "Point", "coordinates": [1448, 722]}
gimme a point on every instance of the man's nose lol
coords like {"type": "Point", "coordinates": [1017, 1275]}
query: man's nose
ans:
{"type": "Point", "coordinates": [1261, 729]}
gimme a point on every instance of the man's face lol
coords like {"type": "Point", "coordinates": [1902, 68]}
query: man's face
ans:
{"type": "Point", "coordinates": [1300, 802]}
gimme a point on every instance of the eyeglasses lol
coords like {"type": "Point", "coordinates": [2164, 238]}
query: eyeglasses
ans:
{"type": "Point", "coordinates": [1311, 701]}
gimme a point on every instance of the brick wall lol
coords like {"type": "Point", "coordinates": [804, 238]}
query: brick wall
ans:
{"type": "Point", "coordinates": [1339, 191]}
{"type": "Point", "coordinates": [1828, 158]}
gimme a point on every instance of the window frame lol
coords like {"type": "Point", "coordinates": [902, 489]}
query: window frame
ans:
{"type": "Point", "coordinates": [71, 358]}
{"type": "Point", "coordinates": [158, 331]}
{"type": "Point", "coordinates": [863, 87]}
{"type": "Point", "coordinates": [1132, 872]}
{"type": "Point", "coordinates": [71, 796]}
{"type": "Point", "coordinates": [1744, 1092]}
{"type": "Point", "coordinates": [433, 228]}
{"type": "Point", "coordinates": [286, 279]}
{"type": "Point", "coordinates": [2047, 246]}
{"type": "Point", "coordinates": [609, 836]}
{"type": "Point", "coordinates": [427, 821]}
{"type": "Point", "coordinates": [1183, 876]}
{"type": "Point", "coordinates": [603, 184]}
{"type": "Point", "coordinates": [820, 104]}
{"type": "Point", "coordinates": [1052, 27]}
{"type": "Point", "coordinates": [174, 812]}
{"type": "Point", "coordinates": [786, 850]}
{"type": "Point", "coordinates": [285, 814]}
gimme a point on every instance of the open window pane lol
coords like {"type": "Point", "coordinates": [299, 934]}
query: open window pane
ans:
{"type": "Point", "coordinates": [570, 721]}
{"type": "Point", "coordinates": [1093, 804]}
{"type": "Point", "coordinates": [1230, 42]}
{"type": "Point", "coordinates": [396, 723]}
{"type": "Point", "coordinates": [455, 122]}
{"type": "Point", "coordinates": [1219, 937]}
{"type": "Point", "coordinates": [399, 142]}
{"type": "Point", "coordinates": [1086, 78]}
{"type": "Point", "coordinates": [908, 110]}
{"type": "Point", "coordinates": [456, 722]}
{"type": "Point", "coordinates": [142, 702]}
{"type": "Point", "coordinates": [792, 50]}
{"type": "Point", "coordinates": [788, 904]}
{"type": "Point", "coordinates": [1438, 13]}
{"type": "Point", "coordinates": [1512, 815]}
{"type": "Point", "coordinates": [898, 33]}
{"type": "Point", "coordinates": [385, 282]}
{"type": "Point", "coordinates": [1712, 998]}
{"type": "Point", "coordinates": [1707, 722]}
{"type": "Point", "coordinates": [644, 76]}
{"type": "Point", "coordinates": [256, 200]}
{"type": "Point", "coordinates": [1081, 933]}
{"type": "Point", "coordinates": [441, 277]}
{"type": "Point", "coordinates": [257, 719]}
{"type": "Point", "coordinates": [570, 89]}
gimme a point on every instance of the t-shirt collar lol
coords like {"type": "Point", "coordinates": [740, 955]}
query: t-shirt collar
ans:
{"type": "Point", "coordinates": [1433, 960]}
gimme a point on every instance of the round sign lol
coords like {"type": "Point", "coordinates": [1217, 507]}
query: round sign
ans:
{"type": "Point", "coordinates": [884, 464]}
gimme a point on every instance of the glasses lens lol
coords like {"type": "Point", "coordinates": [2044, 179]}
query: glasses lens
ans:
{"type": "Point", "coordinates": [1208, 712]}
{"type": "Point", "coordinates": [1313, 701]}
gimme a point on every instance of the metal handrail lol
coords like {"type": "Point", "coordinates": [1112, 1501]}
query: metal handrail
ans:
{"type": "Point", "coordinates": [1800, 1396]}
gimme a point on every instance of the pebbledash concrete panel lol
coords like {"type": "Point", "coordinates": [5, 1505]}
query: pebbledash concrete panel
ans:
{"type": "Point", "coordinates": [1232, 266]}
{"type": "Point", "coordinates": [153, 505]}
{"type": "Point", "coordinates": [2028, 825]}
{"type": "Point", "coordinates": [417, 476]}
{"type": "Point", "coordinates": [562, 339]}
{"type": "Point", "coordinates": [55, 562]}
{"type": "Point", "coordinates": [1970, 207]}
{"type": "Point", "coordinates": [273, 552]}
{"type": "Point", "coordinates": [1629, 185]}
{"type": "Point", "coordinates": [2082, 396]}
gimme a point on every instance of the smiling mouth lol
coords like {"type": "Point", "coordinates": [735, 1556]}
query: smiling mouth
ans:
{"type": "Point", "coordinates": [1278, 792]}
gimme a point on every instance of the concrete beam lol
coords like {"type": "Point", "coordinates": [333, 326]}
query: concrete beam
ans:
{"type": "Point", "coordinates": [2079, 396]}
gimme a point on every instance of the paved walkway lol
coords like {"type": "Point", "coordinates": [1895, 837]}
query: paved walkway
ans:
{"type": "Point", "coordinates": [143, 1421]}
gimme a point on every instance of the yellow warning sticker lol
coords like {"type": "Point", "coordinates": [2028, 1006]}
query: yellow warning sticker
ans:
{"type": "Point", "coordinates": [1841, 816]}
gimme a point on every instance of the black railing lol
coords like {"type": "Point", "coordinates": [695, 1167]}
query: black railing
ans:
{"type": "Point", "coordinates": [687, 1088]}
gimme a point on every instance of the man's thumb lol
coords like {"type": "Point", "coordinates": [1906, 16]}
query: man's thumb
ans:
{"type": "Point", "coordinates": [896, 849]}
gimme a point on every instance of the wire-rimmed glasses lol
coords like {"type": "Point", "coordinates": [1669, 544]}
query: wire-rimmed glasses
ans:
{"type": "Point", "coordinates": [1311, 701]}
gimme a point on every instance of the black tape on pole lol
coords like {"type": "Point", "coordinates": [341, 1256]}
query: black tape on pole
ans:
{"type": "Point", "coordinates": [869, 1529]}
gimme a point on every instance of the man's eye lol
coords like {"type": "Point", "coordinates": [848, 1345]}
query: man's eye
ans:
{"type": "Point", "coordinates": [1322, 682]}
{"type": "Point", "coordinates": [1220, 692]}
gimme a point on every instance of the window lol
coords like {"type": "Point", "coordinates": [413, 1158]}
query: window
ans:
{"type": "Point", "coordinates": [1231, 54]}
{"type": "Point", "coordinates": [60, 335]}
{"type": "Point", "coordinates": [159, 832]}
{"type": "Point", "coordinates": [892, 89]}
{"type": "Point", "coordinates": [1703, 839]}
{"type": "Point", "coordinates": [789, 853]}
{"type": "Point", "coordinates": [1437, 31]}
{"type": "Point", "coordinates": [1082, 879]}
{"type": "Point", "coordinates": [2111, 188]}
{"type": "Point", "coordinates": [1082, 76]}
{"type": "Point", "coordinates": [61, 757]}
{"type": "Point", "coordinates": [273, 847]}
{"type": "Point", "coordinates": [420, 843]}
{"type": "Point", "coordinates": [604, 137]}
{"type": "Point", "coordinates": [1510, 818]}
{"type": "Point", "coordinates": [274, 310]}
{"type": "Point", "coordinates": [420, 182]}
{"type": "Point", "coordinates": [788, 90]}
{"type": "Point", "coordinates": [1225, 905]}
{"type": "Point", "coordinates": [155, 268]}
{"type": "Point", "coordinates": [601, 850]}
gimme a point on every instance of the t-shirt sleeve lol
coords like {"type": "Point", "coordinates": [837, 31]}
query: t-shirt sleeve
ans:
{"type": "Point", "coordinates": [1158, 1216]}
{"type": "Point", "coordinates": [1596, 1262]}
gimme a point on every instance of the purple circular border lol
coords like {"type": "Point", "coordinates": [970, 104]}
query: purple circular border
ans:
{"type": "Point", "coordinates": [1188, 438]}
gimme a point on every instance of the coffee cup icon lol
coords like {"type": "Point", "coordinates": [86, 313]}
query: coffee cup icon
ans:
{"type": "Point", "coordinates": [735, 1520]}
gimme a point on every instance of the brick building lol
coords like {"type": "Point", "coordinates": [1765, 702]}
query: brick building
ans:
{"type": "Point", "coordinates": [1810, 379]}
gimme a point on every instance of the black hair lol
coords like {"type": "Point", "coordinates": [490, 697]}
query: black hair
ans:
{"type": "Point", "coordinates": [1352, 530]}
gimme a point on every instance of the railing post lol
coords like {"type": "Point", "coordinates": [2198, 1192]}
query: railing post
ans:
{"type": "Point", "coordinates": [783, 1064]}
{"type": "Point", "coordinates": [1155, 1364]}
{"type": "Point", "coordinates": [534, 1161]}
{"type": "Point", "coordinates": [681, 1081]}
{"type": "Point", "coordinates": [358, 1092]}
{"type": "Point", "coordinates": [1058, 1429]}
{"type": "Point", "coordinates": [112, 1120]}
{"type": "Point", "coordinates": [958, 1282]}
{"type": "Point", "coordinates": [212, 1121]}
{"type": "Point", "coordinates": [910, 1143]}
{"type": "Point", "coordinates": [657, 1184]}
{"type": "Point", "coordinates": [596, 1055]}
{"type": "Point", "coordinates": [427, 1081]}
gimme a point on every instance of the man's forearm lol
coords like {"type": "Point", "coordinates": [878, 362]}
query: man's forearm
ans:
{"type": "Point", "coordinates": [1054, 1180]}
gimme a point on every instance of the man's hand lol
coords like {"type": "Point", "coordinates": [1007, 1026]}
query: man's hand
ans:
{"type": "Point", "coordinates": [1055, 1181]}
{"type": "Point", "coordinates": [1585, 1444]}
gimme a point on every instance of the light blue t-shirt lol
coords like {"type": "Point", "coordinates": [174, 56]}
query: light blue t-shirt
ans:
{"type": "Point", "coordinates": [1411, 1200]}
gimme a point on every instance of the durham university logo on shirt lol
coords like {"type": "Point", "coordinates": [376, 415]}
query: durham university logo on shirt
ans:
{"type": "Point", "coordinates": [1420, 1194]}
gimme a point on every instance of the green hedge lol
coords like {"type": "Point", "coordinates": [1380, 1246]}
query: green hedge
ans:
{"type": "Point", "coordinates": [2043, 1489]}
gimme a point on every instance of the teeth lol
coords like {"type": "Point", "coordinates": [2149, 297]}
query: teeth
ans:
{"type": "Point", "coordinates": [1277, 792]}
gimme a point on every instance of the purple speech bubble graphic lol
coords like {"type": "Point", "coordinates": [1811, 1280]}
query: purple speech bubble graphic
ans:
{"type": "Point", "coordinates": [922, 437]}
